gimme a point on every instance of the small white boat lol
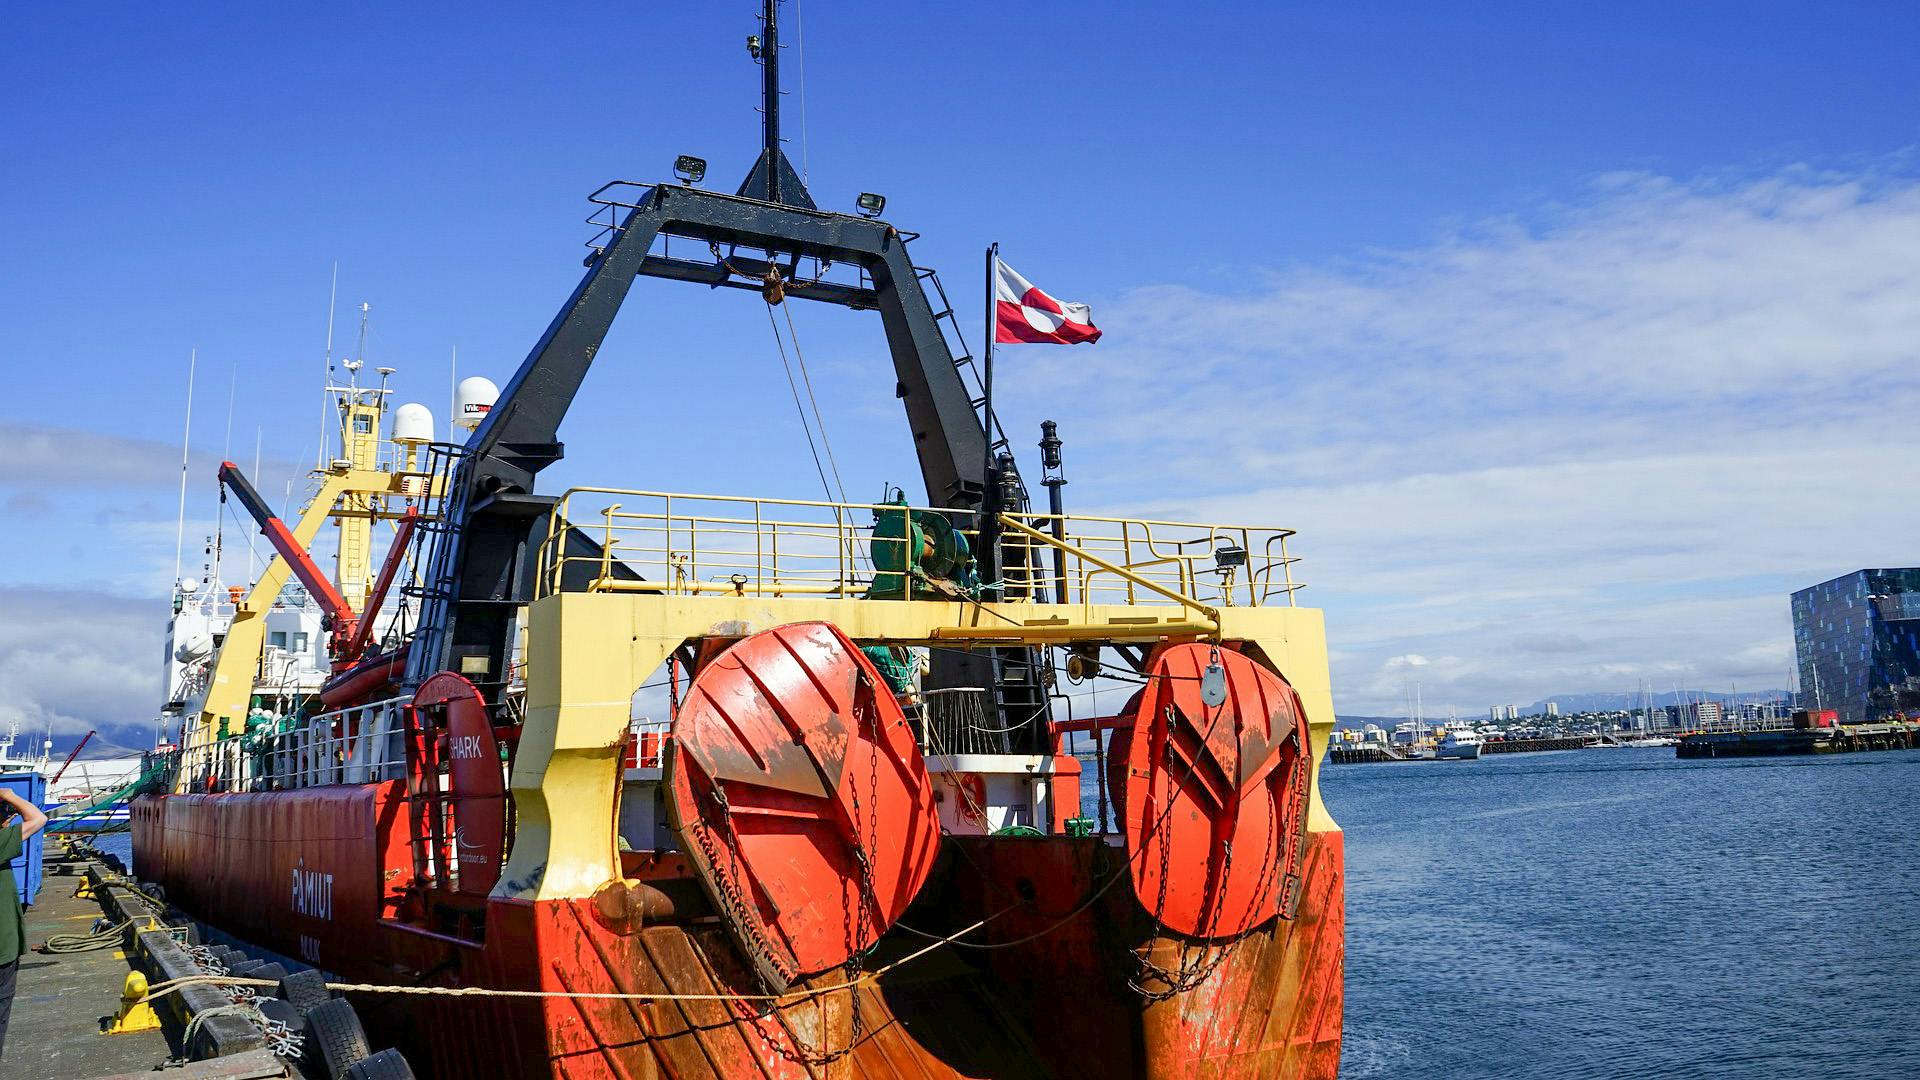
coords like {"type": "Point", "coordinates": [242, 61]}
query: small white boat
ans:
{"type": "Point", "coordinates": [1459, 745]}
{"type": "Point", "coordinates": [1653, 740]}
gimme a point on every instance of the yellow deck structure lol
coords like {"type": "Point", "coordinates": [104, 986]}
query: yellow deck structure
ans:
{"type": "Point", "coordinates": [353, 491]}
{"type": "Point", "coordinates": [724, 567]}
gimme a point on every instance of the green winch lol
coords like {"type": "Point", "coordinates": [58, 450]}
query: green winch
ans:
{"type": "Point", "coordinates": [919, 554]}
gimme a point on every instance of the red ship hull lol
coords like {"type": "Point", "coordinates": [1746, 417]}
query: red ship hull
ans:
{"type": "Point", "coordinates": [321, 875]}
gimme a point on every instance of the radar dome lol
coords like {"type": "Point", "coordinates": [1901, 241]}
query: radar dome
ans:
{"type": "Point", "coordinates": [412, 424]}
{"type": "Point", "coordinates": [473, 398]}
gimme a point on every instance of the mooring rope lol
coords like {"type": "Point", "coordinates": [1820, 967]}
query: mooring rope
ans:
{"type": "Point", "coordinates": [160, 990]}
{"type": "Point", "coordinates": [104, 938]}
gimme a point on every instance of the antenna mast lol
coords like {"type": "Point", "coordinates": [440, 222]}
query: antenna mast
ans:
{"type": "Point", "coordinates": [772, 179]}
{"type": "Point", "coordinates": [326, 380]}
{"type": "Point", "coordinates": [186, 444]}
{"type": "Point", "coordinates": [770, 93]}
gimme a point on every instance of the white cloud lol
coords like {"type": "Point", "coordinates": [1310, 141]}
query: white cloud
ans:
{"type": "Point", "coordinates": [71, 660]}
{"type": "Point", "coordinates": [1584, 445]}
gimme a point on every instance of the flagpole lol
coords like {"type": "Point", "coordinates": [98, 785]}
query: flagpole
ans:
{"type": "Point", "coordinates": [989, 501]}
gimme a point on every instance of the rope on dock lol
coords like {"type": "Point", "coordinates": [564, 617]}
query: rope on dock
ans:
{"type": "Point", "coordinates": [160, 990]}
{"type": "Point", "coordinates": [106, 938]}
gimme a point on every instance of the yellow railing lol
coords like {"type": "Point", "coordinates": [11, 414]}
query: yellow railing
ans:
{"type": "Point", "coordinates": [1220, 565]}
{"type": "Point", "coordinates": [614, 540]}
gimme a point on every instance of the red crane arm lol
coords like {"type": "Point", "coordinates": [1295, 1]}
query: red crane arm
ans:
{"type": "Point", "coordinates": [63, 765]}
{"type": "Point", "coordinates": [282, 539]}
{"type": "Point", "coordinates": [402, 533]}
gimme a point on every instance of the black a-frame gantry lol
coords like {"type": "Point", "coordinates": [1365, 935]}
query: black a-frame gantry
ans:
{"type": "Point", "coordinates": [482, 567]}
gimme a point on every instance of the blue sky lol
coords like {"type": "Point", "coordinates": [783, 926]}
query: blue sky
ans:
{"type": "Point", "coordinates": [1571, 337]}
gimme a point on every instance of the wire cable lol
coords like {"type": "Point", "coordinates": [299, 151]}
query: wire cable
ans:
{"type": "Point", "coordinates": [805, 428]}
{"type": "Point", "coordinates": [818, 421]}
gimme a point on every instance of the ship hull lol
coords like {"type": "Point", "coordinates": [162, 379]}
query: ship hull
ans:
{"type": "Point", "coordinates": [321, 875]}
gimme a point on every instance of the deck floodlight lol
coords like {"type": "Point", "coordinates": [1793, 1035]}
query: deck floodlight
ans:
{"type": "Point", "coordinates": [690, 169]}
{"type": "Point", "coordinates": [1227, 555]}
{"type": "Point", "coordinates": [870, 204]}
{"type": "Point", "coordinates": [753, 46]}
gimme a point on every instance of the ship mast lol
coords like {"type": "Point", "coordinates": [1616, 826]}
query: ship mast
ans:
{"type": "Point", "coordinates": [770, 93]}
{"type": "Point", "coordinates": [772, 179]}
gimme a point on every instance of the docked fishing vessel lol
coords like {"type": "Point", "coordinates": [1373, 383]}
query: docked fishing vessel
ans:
{"type": "Point", "coordinates": [864, 840]}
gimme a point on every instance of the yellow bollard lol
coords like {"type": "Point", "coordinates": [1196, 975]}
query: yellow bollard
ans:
{"type": "Point", "coordinates": [134, 1014]}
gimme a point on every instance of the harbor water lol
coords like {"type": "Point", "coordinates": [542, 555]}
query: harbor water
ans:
{"type": "Point", "coordinates": [1619, 913]}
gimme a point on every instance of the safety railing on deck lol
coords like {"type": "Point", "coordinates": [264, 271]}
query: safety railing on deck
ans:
{"type": "Point", "coordinates": [356, 745]}
{"type": "Point", "coordinates": [611, 540]}
{"type": "Point", "coordinates": [1225, 565]}
{"type": "Point", "coordinates": [208, 761]}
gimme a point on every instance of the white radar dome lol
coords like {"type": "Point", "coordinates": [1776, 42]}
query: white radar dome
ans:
{"type": "Point", "coordinates": [412, 424]}
{"type": "Point", "coordinates": [473, 398]}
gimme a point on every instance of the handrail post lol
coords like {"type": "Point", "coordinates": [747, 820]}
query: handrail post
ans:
{"type": "Point", "coordinates": [557, 524]}
{"type": "Point", "coordinates": [666, 543]}
{"type": "Point", "coordinates": [1286, 564]}
{"type": "Point", "coordinates": [606, 542]}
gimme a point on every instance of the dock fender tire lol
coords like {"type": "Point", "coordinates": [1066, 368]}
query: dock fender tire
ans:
{"type": "Point", "coordinates": [227, 955]}
{"type": "Point", "coordinates": [275, 972]}
{"type": "Point", "coordinates": [246, 968]}
{"type": "Point", "coordinates": [385, 1065]}
{"type": "Point", "coordinates": [275, 1009]}
{"type": "Point", "coordinates": [335, 1040]}
{"type": "Point", "coordinates": [304, 990]}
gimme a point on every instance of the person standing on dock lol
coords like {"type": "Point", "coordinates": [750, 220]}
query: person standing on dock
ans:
{"type": "Point", "coordinates": [13, 926]}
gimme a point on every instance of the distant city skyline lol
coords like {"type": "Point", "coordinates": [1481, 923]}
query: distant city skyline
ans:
{"type": "Point", "coordinates": [1591, 702]}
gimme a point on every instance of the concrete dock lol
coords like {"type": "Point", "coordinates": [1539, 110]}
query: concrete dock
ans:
{"type": "Point", "coordinates": [65, 1000]}
{"type": "Point", "coordinates": [55, 1031]}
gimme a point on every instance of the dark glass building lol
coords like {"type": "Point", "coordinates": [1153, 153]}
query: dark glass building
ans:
{"type": "Point", "coordinates": [1857, 638]}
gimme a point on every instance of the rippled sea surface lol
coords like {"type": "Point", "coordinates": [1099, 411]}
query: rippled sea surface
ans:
{"type": "Point", "coordinates": [1619, 913]}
